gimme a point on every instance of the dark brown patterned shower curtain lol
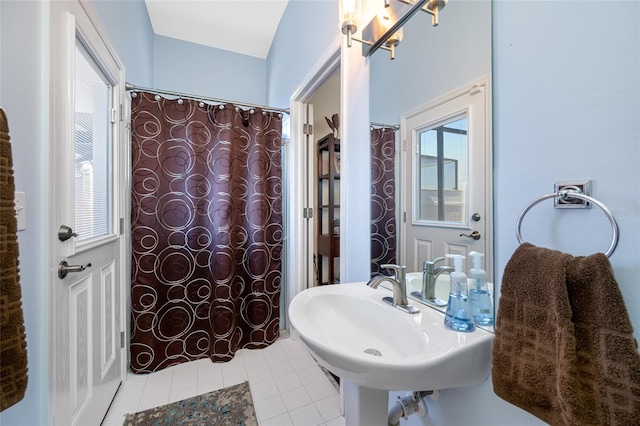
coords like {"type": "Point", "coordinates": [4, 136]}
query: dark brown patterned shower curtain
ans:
{"type": "Point", "coordinates": [383, 196]}
{"type": "Point", "coordinates": [207, 234]}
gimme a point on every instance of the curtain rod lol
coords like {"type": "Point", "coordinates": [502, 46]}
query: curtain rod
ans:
{"type": "Point", "coordinates": [131, 87]}
{"type": "Point", "coordinates": [395, 126]}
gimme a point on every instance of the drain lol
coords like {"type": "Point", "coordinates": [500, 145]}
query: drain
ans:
{"type": "Point", "coordinates": [373, 352]}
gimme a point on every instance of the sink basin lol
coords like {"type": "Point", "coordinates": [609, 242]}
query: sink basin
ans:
{"type": "Point", "coordinates": [358, 337]}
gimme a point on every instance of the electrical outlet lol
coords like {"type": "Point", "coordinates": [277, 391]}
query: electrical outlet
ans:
{"type": "Point", "coordinates": [583, 186]}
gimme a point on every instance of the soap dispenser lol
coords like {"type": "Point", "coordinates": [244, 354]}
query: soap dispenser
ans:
{"type": "Point", "coordinates": [458, 314]}
{"type": "Point", "coordinates": [481, 307]}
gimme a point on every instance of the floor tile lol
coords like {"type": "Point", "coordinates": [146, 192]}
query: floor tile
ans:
{"type": "Point", "coordinates": [288, 382]}
{"type": "Point", "coordinates": [310, 375]}
{"type": "Point", "coordinates": [282, 420]}
{"type": "Point", "coordinates": [287, 386]}
{"type": "Point", "coordinates": [264, 390]}
{"type": "Point", "coordinates": [306, 416]}
{"type": "Point", "coordinates": [329, 408]}
{"type": "Point", "coordinates": [270, 407]}
{"type": "Point", "coordinates": [296, 398]}
{"type": "Point", "coordinates": [281, 368]}
{"type": "Point", "coordinates": [303, 362]}
{"type": "Point", "coordinates": [320, 390]}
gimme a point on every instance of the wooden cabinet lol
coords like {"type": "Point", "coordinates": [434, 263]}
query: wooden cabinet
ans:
{"type": "Point", "coordinates": [328, 208]}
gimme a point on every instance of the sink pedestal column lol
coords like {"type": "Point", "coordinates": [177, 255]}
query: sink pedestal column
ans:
{"type": "Point", "coordinates": [365, 406]}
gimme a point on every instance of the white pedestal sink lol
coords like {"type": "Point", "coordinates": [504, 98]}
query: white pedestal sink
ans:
{"type": "Point", "coordinates": [376, 347]}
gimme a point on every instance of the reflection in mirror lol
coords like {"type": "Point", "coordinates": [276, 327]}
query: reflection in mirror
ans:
{"type": "Point", "coordinates": [383, 197]}
{"type": "Point", "coordinates": [442, 176]}
{"type": "Point", "coordinates": [431, 62]}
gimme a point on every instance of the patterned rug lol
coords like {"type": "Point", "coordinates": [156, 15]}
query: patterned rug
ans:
{"type": "Point", "coordinates": [228, 406]}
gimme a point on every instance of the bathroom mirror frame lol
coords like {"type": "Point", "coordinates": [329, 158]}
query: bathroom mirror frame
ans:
{"type": "Point", "coordinates": [455, 53]}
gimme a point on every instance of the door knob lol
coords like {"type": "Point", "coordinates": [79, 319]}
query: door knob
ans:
{"type": "Point", "coordinates": [64, 233]}
{"type": "Point", "coordinates": [475, 235]}
{"type": "Point", "coordinates": [64, 268]}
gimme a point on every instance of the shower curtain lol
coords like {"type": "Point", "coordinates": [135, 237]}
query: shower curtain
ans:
{"type": "Point", "coordinates": [383, 198]}
{"type": "Point", "coordinates": [207, 233]}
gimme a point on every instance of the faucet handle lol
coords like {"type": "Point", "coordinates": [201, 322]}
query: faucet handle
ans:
{"type": "Point", "coordinates": [429, 264]}
{"type": "Point", "coordinates": [397, 270]}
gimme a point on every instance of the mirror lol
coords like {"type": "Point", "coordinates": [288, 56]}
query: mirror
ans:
{"type": "Point", "coordinates": [431, 62]}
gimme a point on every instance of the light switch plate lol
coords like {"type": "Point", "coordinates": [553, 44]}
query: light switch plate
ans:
{"type": "Point", "coordinates": [21, 213]}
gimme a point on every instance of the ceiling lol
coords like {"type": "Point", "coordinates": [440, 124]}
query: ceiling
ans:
{"type": "Point", "coordinates": [241, 26]}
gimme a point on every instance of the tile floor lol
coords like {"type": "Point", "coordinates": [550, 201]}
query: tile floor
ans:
{"type": "Point", "coordinates": [287, 386]}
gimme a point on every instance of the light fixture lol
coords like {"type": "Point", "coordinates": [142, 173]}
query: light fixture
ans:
{"type": "Point", "coordinates": [385, 29]}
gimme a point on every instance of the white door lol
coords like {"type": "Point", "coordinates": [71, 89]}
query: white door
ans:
{"type": "Point", "coordinates": [86, 302]}
{"type": "Point", "coordinates": [448, 178]}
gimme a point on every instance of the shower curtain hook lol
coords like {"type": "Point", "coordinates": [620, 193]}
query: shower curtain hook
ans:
{"type": "Point", "coordinates": [201, 103]}
{"type": "Point", "coordinates": [157, 97]}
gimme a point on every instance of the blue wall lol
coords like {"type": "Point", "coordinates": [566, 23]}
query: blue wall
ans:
{"type": "Point", "coordinates": [200, 70]}
{"type": "Point", "coordinates": [24, 97]}
{"type": "Point", "coordinates": [307, 29]}
{"type": "Point", "coordinates": [566, 106]}
{"type": "Point", "coordinates": [129, 28]}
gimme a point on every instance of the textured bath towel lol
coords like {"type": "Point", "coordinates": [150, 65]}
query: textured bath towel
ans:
{"type": "Point", "coordinates": [13, 347]}
{"type": "Point", "coordinates": [564, 349]}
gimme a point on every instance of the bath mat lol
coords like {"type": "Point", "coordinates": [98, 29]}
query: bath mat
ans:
{"type": "Point", "coordinates": [228, 406]}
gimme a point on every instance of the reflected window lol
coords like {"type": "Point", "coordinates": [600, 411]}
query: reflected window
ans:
{"type": "Point", "coordinates": [442, 178]}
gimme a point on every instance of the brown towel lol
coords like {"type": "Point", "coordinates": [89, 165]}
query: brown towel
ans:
{"type": "Point", "coordinates": [564, 348]}
{"type": "Point", "coordinates": [13, 346]}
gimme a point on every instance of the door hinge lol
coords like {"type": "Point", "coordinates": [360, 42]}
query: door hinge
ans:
{"type": "Point", "coordinates": [114, 113]}
{"type": "Point", "coordinates": [121, 225]}
{"type": "Point", "coordinates": [121, 112]}
{"type": "Point", "coordinates": [404, 217]}
{"type": "Point", "coordinates": [307, 129]}
{"type": "Point", "coordinates": [307, 212]}
{"type": "Point", "coordinates": [404, 144]}
{"type": "Point", "coordinates": [122, 339]}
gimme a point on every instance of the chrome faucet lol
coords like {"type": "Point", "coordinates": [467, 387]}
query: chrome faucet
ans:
{"type": "Point", "coordinates": [399, 286]}
{"type": "Point", "coordinates": [429, 276]}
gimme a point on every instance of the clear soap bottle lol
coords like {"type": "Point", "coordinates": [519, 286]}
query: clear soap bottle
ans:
{"type": "Point", "coordinates": [458, 315]}
{"type": "Point", "coordinates": [481, 306]}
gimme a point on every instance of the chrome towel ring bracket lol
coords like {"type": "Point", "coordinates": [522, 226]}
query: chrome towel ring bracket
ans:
{"type": "Point", "coordinates": [572, 193]}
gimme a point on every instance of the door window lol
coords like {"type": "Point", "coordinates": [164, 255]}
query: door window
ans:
{"type": "Point", "coordinates": [93, 147]}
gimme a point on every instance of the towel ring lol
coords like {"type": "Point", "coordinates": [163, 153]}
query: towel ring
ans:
{"type": "Point", "coordinates": [581, 196]}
